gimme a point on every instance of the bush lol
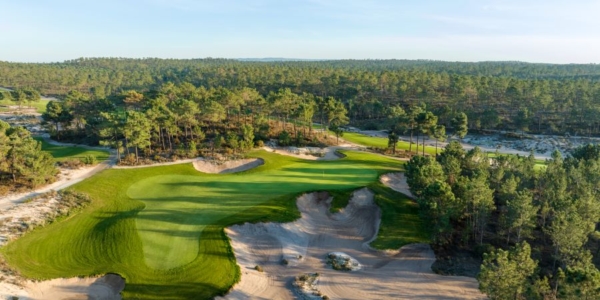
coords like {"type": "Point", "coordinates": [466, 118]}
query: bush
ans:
{"type": "Point", "coordinates": [258, 268]}
{"type": "Point", "coordinates": [90, 160]}
{"type": "Point", "coordinates": [284, 262]}
{"type": "Point", "coordinates": [72, 163]}
{"type": "Point", "coordinates": [260, 143]}
{"type": "Point", "coordinates": [128, 160]}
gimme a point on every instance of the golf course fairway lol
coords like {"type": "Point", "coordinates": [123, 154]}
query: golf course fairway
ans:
{"type": "Point", "coordinates": [161, 228]}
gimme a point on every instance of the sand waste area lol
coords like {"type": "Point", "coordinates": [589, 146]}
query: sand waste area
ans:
{"type": "Point", "coordinates": [107, 287]}
{"type": "Point", "coordinates": [289, 252]}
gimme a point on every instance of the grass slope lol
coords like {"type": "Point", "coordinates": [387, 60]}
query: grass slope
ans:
{"type": "Point", "coordinates": [162, 228]}
{"type": "Point", "coordinates": [370, 141]}
{"type": "Point", "coordinates": [61, 153]}
{"type": "Point", "coordinates": [40, 106]}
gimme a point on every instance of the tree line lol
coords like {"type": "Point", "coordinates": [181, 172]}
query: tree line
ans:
{"type": "Point", "coordinates": [183, 120]}
{"type": "Point", "coordinates": [540, 98]}
{"type": "Point", "coordinates": [538, 228]}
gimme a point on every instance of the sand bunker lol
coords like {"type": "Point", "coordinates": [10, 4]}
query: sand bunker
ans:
{"type": "Point", "coordinates": [305, 243]}
{"type": "Point", "coordinates": [230, 166]}
{"type": "Point", "coordinates": [397, 182]}
{"type": "Point", "coordinates": [107, 287]}
{"type": "Point", "coordinates": [329, 153]}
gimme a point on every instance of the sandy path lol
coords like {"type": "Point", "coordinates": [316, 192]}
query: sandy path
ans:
{"type": "Point", "coordinates": [397, 182]}
{"type": "Point", "coordinates": [66, 178]}
{"type": "Point", "coordinates": [107, 287]}
{"type": "Point", "coordinates": [306, 242]}
{"type": "Point", "coordinates": [230, 166]}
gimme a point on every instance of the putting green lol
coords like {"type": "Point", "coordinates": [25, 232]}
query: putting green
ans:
{"type": "Point", "coordinates": [162, 228]}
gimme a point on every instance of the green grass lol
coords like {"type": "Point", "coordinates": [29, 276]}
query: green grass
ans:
{"type": "Point", "coordinates": [40, 106]}
{"type": "Point", "coordinates": [162, 228]}
{"type": "Point", "coordinates": [370, 141]}
{"type": "Point", "coordinates": [400, 220]}
{"type": "Point", "coordinates": [61, 153]}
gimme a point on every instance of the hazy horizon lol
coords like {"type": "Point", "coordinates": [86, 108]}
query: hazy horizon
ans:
{"type": "Point", "coordinates": [467, 31]}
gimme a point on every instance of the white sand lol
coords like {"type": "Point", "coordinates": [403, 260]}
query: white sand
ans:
{"type": "Point", "coordinates": [230, 166]}
{"type": "Point", "coordinates": [306, 242]}
{"type": "Point", "coordinates": [66, 178]}
{"type": "Point", "coordinates": [328, 153]}
{"type": "Point", "coordinates": [107, 287]}
{"type": "Point", "coordinates": [397, 182]}
{"type": "Point", "coordinates": [169, 163]}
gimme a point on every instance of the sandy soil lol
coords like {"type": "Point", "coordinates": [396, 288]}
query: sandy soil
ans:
{"type": "Point", "coordinates": [397, 182]}
{"type": "Point", "coordinates": [107, 287]}
{"type": "Point", "coordinates": [230, 166]}
{"type": "Point", "coordinates": [305, 243]}
{"type": "Point", "coordinates": [328, 153]}
{"type": "Point", "coordinates": [66, 178]}
{"type": "Point", "coordinates": [177, 162]}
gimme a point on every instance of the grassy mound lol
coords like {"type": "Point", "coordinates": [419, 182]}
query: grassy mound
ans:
{"type": "Point", "coordinates": [161, 228]}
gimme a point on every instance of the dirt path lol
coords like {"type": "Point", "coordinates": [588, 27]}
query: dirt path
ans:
{"type": "Point", "coordinates": [305, 243]}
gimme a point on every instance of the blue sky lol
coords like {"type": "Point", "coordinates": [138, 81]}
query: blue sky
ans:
{"type": "Point", "coordinates": [462, 30]}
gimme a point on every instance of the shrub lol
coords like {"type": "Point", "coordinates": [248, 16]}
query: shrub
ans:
{"type": "Point", "coordinates": [90, 160]}
{"type": "Point", "coordinates": [72, 163]}
{"type": "Point", "coordinates": [258, 268]}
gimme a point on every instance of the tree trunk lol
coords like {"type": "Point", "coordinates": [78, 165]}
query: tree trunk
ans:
{"type": "Point", "coordinates": [137, 158]}
{"type": "Point", "coordinates": [417, 143]}
{"type": "Point", "coordinates": [410, 142]}
{"type": "Point", "coordinates": [118, 154]}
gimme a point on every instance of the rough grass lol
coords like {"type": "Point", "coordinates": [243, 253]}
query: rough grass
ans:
{"type": "Point", "coordinates": [370, 141]}
{"type": "Point", "coordinates": [361, 139]}
{"type": "Point", "coordinates": [61, 153]}
{"type": "Point", "coordinates": [40, 106]}
{"type": "Point", "coordinates": [162, 228]}
{"type": "Point", "coordinates": [400, 220]}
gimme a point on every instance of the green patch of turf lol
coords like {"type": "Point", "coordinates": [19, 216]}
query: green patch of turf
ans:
{"type": "Point", "coordinates": [380, 142]}
{"type": "Point", "coordinates": [162, 228]}
{"type": "Point", "coordinates": [61, 153]}
{"type": "Point", "coordinates": [361, 139]}
{"type": "Point", "coordinates": [40, 106]}
{"type": "Point", "coordinates": [400, 220]}
{"type": "Point", "coordinates": [341, 198]}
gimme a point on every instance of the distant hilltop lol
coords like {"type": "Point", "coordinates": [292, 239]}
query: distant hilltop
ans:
{"type": "Point", "coordinates": [275, 59]}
